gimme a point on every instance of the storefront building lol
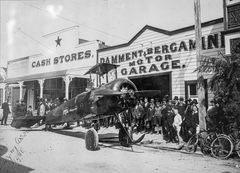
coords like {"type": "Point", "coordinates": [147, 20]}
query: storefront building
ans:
{"type": "Point", "coordinates": [56, 73]}
{"type": "Point", "coordinates": [2, 85]}
{"type": "Point", "coordinates": [165, 60]}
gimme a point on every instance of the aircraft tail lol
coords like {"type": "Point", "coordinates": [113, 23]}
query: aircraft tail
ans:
{"type": "Point", "coordinates": [25, 121]}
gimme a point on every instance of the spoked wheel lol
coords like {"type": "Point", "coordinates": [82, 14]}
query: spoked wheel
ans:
{"type": "Point", "coordinates": [192, 144]}
{"type": "Point", "coordinates": [124, 137]}
{"type": "Point", "coordinates": [206, 143]}
{"type": "Point", "coordinates": [222, 147]}
{"type": "Point", "coordinates": [237, 147]}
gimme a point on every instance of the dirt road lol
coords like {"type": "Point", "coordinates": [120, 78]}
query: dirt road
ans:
{"type": "Point", "coordinates": [64, 151]}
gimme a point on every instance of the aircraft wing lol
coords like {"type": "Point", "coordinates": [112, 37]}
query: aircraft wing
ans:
{"type": "Point", "coordinates": [73, 110]}
{"type": "Point", "coordinates": [65, 112]}
{"type": "Point", "coordinates": [147, 93]}
{"type": "Point", "coordinates": [107, 92]}
{"type": "Point", "coordinates": [142, 93]}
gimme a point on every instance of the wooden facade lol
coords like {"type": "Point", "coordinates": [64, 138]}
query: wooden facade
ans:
{"type": "Point", "coordinates": [153, 51]}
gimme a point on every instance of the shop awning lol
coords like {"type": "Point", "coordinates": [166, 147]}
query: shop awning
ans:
{"type": "Point", "coordinates": [48, 75]}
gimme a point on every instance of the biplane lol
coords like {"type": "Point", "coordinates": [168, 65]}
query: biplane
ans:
{"type": "Point", "coordinates": [115, 98]}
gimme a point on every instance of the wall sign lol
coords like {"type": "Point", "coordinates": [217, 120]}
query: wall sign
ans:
{"type": "Point", "coordinates": [159, 58]}
{"type": "Point", "coordinates": [139, 66]}
{"type": "Point", "coordinates": [63, 59]}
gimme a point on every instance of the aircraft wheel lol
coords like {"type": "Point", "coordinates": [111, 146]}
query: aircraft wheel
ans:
{"type": "Point", "coordinates": [91, 140]}
{"type": "Point", "coordinates": [123, 137]}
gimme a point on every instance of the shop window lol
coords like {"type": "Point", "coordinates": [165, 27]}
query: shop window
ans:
{"type": "Point", "coordinates": [193, 89]}
{"type": "Point", "coordinates": [53, 88]}
{"type": "Point", "coordinates": [60, 83]}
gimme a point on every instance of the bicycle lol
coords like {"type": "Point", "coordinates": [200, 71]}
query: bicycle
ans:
{"type": "Point", "coordinates": [203, 139]}
{"type": "Point", "coordinates": [223, 146]}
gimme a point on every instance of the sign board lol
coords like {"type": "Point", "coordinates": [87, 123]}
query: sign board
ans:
{"type": "Point", "coordinates": [159, 58]}
{"type": "Point", "coordinates": [80, 58]}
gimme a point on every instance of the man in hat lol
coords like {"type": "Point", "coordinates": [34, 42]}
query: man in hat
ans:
{"type": "Point", "coordinates": [186, 124]}
{"type": "Point", "coordinates": [166, 98]}
{"type": "Point", "coordinates": [146, 111]}
{"type": "Point", "coordinates": [210, 117]}
{"type": "Point", "coordinates": [181, 107]}
{"type": "Point", "coordinates": [16, 109]}
{"type": "Point", "coordinates": [164, 120]}
{"type": "Point", "coordinates": [158, 117]}
{"type": "Point", "coordinates": [6, 111]}
{"type": "Point", "coordinates": [194, 120]}
{"type": "Point", "coordinates": [23, 108]}
{"type": "Point", "coordinates": [42, 110]}
{"type": "Point", "coordinates": [169, 124]}
{"type": "Point", "coordinates": [194, 102]}
{"type": "Point", "coordinates": [176, 100]}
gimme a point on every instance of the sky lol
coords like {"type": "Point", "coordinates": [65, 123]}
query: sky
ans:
{"type": "Point", "coordinates": [24, 22]}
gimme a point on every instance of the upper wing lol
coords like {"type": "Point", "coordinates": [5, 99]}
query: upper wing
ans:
{"type": "Point", "coordinates": [147, 93]}
{"type": "Point", "coordinates": [142, 93]}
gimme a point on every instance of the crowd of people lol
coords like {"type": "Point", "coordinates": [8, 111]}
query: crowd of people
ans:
{"type": "Point", "coordinates": [177, 119]}
{"type": "Point", "coordinates": [20, 108]}
{"type": "Point", "coordinates": [43, 106]}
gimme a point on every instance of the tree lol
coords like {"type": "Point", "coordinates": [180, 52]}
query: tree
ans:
{"type": "Point", "coordinates": [225, 82]}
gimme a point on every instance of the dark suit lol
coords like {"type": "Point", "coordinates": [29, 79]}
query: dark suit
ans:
{"type": "Point", "coordinates": [6, 111]}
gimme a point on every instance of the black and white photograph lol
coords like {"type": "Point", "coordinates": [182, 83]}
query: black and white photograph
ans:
{"type": "Point", "coordinates": [113, 86]}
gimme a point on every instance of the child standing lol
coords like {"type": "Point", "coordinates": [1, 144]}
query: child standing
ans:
{"type": "Point", "coordinates": [177, 124]}
{"type": "Point", "coordinates": [29, 111]}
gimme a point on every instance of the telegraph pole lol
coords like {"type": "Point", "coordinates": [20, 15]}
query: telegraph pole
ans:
{"type": "Point", "coordinates": [200, 79]}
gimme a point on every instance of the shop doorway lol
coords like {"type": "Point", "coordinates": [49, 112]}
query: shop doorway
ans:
{"type": "Point", "coordinates": [160, 82]}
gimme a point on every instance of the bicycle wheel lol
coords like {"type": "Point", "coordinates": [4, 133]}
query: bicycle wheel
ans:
{"type": "Point", "coordinates": [221, 147]}
{"type": "Point", "coordinates": [237, 147]}
{"type": "Point", "coordinates": [205, 144]}
{"type": "Point", "coordinates": [192, 144]}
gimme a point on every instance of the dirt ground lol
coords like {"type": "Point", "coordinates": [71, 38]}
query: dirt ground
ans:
{"type": "Point", "coordinates": [25, 150]}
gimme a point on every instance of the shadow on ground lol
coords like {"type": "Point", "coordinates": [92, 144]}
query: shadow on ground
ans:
{"type": "Point", "coordinates": [108, 137]}
{"type": "Point", "coordinates": [108, 140]}
{"type": "Point", "coordinates": [10, 166]}
{"type": "Point", "coordinates": [13, 167]}
{"type": "Point", "coordinates": [3, 150]}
